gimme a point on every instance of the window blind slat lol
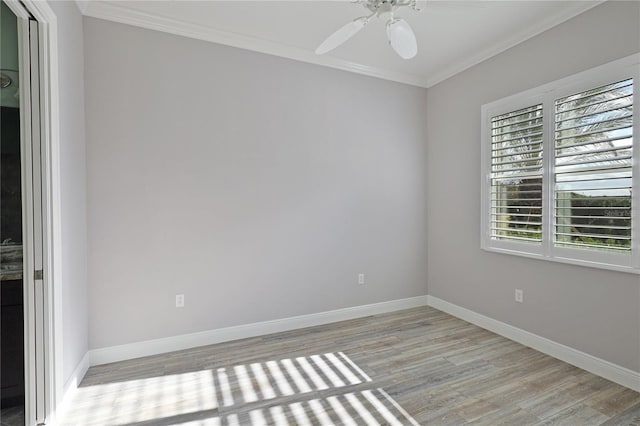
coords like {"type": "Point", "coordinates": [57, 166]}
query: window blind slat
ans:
{"type": "Point", "coordinates": [595, 168]}
{"type": "Point", "coordinates": [514, 222]}
{"type": "Point", "coordinates": [503, 162]}
{"type": "Point", "coordinates": [594, 217]}
{"type": "Point", "coordinates": [517, 113]}
{"type": "Point", "coordinates": [621, 85]}
{"type": "Point", "coordinates": [515, 130]}
{"type": "Point", "coordinates": [624, 94]}
{"type": "Point", "coordinates": [601, 226]}
{"type": "Point", "coordinates": [526, 215]}
{"type": "Point", "coordinates": [533, 151]}
{"type": "Point", "coordinates": [513, 238]}
{"type": "Point", "coordinates": [598, 208]}
{"type": "Point", "coordinates": [597, 142]}
{"type": "Point", "coordinates": [593, 132]}
{"type": "Point", "coordinates": [588, 175]}
{"type": "Point", "coordinates": [526, 136]}
{"type": "Point", "coordinates": [615, 108]}
{"type": "Point", "coordinates": [599, 236]}
{"type": "Point", "coordinates": [518, 145]}
{"type": "Point", "coordinates": [613, 150]}
{"type": "Point", "coordinates": [614, 122]}
{"type": "Point", "coordinates": [536, 119]}
{"type": "Point", "coordinates": [593, 246]}
{"type": "Point", "coordinates": [595, 160]}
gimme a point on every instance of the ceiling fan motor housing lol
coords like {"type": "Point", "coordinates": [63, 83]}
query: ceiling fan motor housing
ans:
{"type": "Point", "coordinates": [381, 7]}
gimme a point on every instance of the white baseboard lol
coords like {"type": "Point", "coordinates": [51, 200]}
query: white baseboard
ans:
{"type": "Point", "coordinates": [590, 363]}
{"type": "Point", "coordinates": [71, 386]}
{"type": "Point", "coordinates": [186, 341]}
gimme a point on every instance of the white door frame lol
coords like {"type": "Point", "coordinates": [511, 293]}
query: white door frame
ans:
{"type": "Point", "coordinates": [50, 381]}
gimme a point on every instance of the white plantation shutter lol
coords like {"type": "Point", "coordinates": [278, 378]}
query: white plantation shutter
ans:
{"type": "Point", "coordinates": [516, 175]}
{"type": "Point", "coordinates": [561, 170]}
{"type": "Point", "coordinates": [593, 139]}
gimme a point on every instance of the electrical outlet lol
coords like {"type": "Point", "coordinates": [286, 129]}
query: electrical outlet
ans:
{"type": "Point", "coordinates": [360, 278]}
{"type": "Point", "coordinates": [179, 300]}
{"type": "Point", "coordinates": [519, 295]}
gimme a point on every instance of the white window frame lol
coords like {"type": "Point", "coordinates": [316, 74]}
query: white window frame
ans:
{"type": "Point", "coordinates": [628, 67]}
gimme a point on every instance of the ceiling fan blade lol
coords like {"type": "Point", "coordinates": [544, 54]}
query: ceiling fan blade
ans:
{"type": "Point", "coordinates": [342, 35]}
{"type": "Point", "coordinates": [402, 38]}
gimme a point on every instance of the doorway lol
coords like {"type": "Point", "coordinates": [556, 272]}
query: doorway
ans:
{"type": "Point", "coordinates": [27, 359]}
{"type": "Point", "coordinates": [12, 321]}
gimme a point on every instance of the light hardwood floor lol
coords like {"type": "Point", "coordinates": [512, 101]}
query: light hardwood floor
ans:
{"type": "Point", "coordinates": [414, 367]}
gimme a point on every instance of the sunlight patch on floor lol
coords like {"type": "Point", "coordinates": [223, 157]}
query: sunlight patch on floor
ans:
{"type": "Point", "coordinates": [371, 407]}
{"type": "Point", "coordinates": [267, 393]}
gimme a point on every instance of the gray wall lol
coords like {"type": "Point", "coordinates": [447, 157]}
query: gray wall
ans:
{"type": "Point", "coordinates": [592, 310]}
{"type": "Point", "coordinates": [257, 186]}
{"type": "Point", "coordinates": [73, 185]}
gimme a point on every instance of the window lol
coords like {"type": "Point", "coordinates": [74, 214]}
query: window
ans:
{"type": "Point", "coordinates": [560, 166]}
{"type": "Point", "coordinates": [593, 145]}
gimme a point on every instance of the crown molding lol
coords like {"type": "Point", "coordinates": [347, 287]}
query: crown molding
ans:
{"type": "Point", "coordinates": [82, 5]}
{"type": "Point", "coordinates": [525, 34]}
{"type": "Point", "coordinates": [125, 15]}
{"type": "Point", "coordinates": [122, 14]}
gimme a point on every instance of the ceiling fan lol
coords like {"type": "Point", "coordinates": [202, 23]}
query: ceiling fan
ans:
{"type": "Point", "coordinates": [400, 35]}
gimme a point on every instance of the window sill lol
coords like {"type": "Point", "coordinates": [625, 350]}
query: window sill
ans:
{"type": "Point", "coordinates": [570, 261]}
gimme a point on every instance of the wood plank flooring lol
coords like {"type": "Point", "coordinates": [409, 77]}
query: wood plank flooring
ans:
{"type": "Point", "coordinates": [414, 367]}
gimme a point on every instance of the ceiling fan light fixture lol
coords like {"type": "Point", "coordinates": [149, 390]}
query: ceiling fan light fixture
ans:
{"type": "Point", "coordinates": [402, 38]}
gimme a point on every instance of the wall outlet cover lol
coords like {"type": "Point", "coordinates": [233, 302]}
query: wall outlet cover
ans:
{"type": "Point", "coordinates": [179, 300]}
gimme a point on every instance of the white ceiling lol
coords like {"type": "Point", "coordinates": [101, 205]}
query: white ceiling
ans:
{"type": "Point", "coordinates": [452, 35]}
